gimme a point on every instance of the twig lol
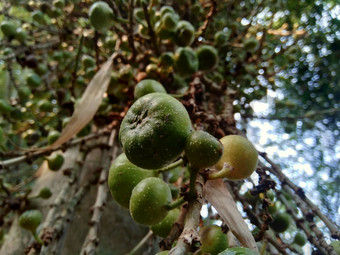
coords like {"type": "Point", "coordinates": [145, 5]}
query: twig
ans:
{"type": "Point", "coordinates": [91, 241]}
{"type": "Point", "coordinates": [320, 242]}
{"type": "Point", "coordinates": [74, 74]}
{"type": "Point", "coordinates": [208, 18]}
{"type": "Point", "coordinates": [131, 27]}
{"type": "Point", "coordinates": [275, 169]}
{"type": "Point", "coordinates": [141, 243]}
{"type": "Point", "coordinates": [151, 31]}
{"type": "Point", "coordinates": [304, 116]}
{"type": "Point", "coordinates": [189, 235]}
{"type": "Point", "coordinates": [36, 154]}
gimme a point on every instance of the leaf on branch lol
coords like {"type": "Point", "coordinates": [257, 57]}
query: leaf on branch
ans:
{"type": "Point", "coordinates": [88, 104]}
{"type": "Point", "coordinates": [219, 197]}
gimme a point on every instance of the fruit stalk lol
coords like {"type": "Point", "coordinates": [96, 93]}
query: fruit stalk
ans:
{"type": "Point", "coordinates": [192, 194]}
{"type": "Point", "coordinates": [176, 203]}
{"type": "Point", "coordinates": [171, 166]}
{"type": "Point", "coordinates": [220, 174]}
{"type": "Point", "coordinates": [37, 238]}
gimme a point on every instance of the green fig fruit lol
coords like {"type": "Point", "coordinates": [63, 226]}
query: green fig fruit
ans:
{"type": "Point", "coordinates": [8, 28]}
{"type": "Point", "coordinates": [148, 86]}
{"type": "Point", "coordinates": [101, 16]}
{"type": "Point", "coordinates": [213, 240]}
{"type": "Point", "coordinates": [149, 201]}
{"type": "Point", "coordinates": [163, 228]}
{"type": "Point", "coordinates": [123, 177]}
{"type": "Point", "coordinates": [184, 34]}
{"type": "Point", "coordinates": [202, 149]}
{"type": "Point", "coordinates": [207, 57]}
{"type": "Point", "coordinates": [55, 162]}
{"type": "Point", "coordinates": [300, 239]}
{"type": "Point", "coordinates": [280, 222]}
{"type": "Point", "coordinates": [186, 61]}
{"type": "Point", "coordinates": [45, 193]}
{"type": "Point", "coordinates": [30, 220]}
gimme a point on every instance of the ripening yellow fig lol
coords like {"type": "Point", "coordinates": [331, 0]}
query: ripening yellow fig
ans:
{"type": "Point", "coordinates": [239, 159]}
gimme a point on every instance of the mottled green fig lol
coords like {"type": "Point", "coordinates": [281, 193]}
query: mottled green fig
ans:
{"type": "Point", "coordinates": [123, 177]}
{"type": "Point", "coordinates": [30, 220]}
{"type": "Point", "coordinates": [154, 131]}
{"type": "Point", "coordinates": [202, 149]}
{"type": "Point", "coordinates": [213, 240]}
{"type": "Point", "coordinates": [148, 86]}
{"type": "Point", "coordinates": [163, 228]}
{"type": "Point", "coordinates": [149, 201]}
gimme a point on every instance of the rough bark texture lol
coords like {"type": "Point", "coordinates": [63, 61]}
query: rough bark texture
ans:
{"type": "Point", "coordinates": [118, 233]}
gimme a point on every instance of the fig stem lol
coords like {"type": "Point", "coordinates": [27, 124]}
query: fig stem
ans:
{"type": "Point", "coordinates": [192, 185]}
{"type": "Point", "coordinates": [177, 95]}
{"type": "Point", "coordinates": [171, 166]}
{"type": "Point", "coordinates": [222, 173]}
{"type": "Point", "coordinates": [37, 238]}
{"type": "Point", "coordinates": [176, 203]}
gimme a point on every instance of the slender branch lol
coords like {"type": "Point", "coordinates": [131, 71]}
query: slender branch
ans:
{"type": "Point", "coordinates": [275, 169]}
{"type": "Point", "coordinates": [74, 74]}
{"type": "Point", "coordinates": [172, 165]}
{"type": "Point", "coordinates": [189, 235]}
{"type": "Point", "coordinates": [304, 116]}
{"type": "Point", "coordinates": [208, 18]}
{"type": "Point", "coordinates": [141, 243]}
{"type": "Point", "coordinates": [131, 27]}
{"type": "Point", "coordinates": [91, 241]}
{"type": "Point", "coordinates": [151, 31]}
{"type": "Point", "coordinates": [28, 156]}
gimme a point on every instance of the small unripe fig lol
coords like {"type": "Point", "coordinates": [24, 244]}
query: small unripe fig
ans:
{"type": "Point", "coordinates": [336, 246]}
{"type": "Point", "coordinates": [251, 44]}
{"type": "Point", "coordinates": [166, 9]}
{"type": "Point", "coordinates": [169, 21]}
{"type": "Point", "coordinates": [148, 86]}
{"type": "Point", "coordinates": [101, 16]}
{"type": "Point", "coordinates": [20, 35]}
{"type": "Point", "coordinates": [221, 38]}
{"type": "Point", "coordinates": [45, 193]}
{"type": "Point", "coordinates": [240, 154]}
{"type": "Point", "coordinates": [55, 162]}
{"type": "Point", "coordinates": [300, 239]}
{"type": "Point", "coordinates": [202, 149]}
{"type": "Point", "coordinates": [207, 57]}
{"type": "Point", "coordinates": [33, 80]}
{"type": "Point", "coordinates": [8, 28]}
{"type": "Point", "coordinates": [53, 136]}
{"type": "Point", "coordinates": [167, 59]}
{"type": "Point", "coordinates": [149, 201]}
{"type": "Point", "coordinates": [280, 222]}
{"type": "Point", "coordinates": [88, 61]}
{"type": "Point", "coordinates": [213, 240]}
{"type": "Point", "coordinates": [185, 33]}
{"type": "Point", "coordinates": [38, 17]}
{"type": "Point", "coordinates": [186, 61]}
{"type": "Point", "coordinates": [30, 220]}
{"type": "Point", "coordinates": [163, 228]}
{"type": "Point", "coordinates": [5, 107]}
{"type": "Point", "coordinates": [45, 105]}
{"type": "Point", "coordinates": [123, 177]}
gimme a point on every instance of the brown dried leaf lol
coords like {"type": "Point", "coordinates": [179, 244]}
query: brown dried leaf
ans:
{"type": "Point", "coordinates": [219, 197]}
{"type": "Point", "coordinates": [88, 104]}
